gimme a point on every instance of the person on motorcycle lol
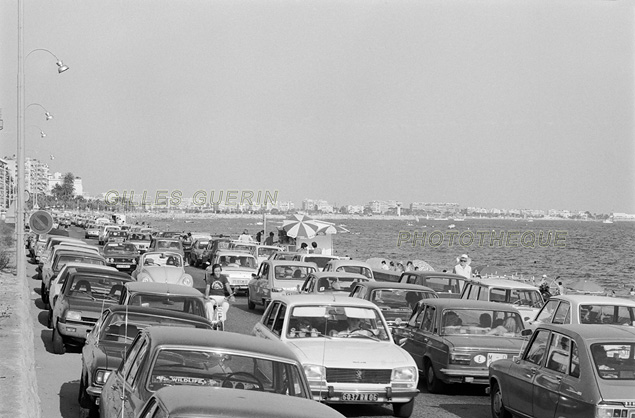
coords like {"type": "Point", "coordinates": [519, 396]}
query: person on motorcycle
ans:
{"type": "Point", "coordinates": [217, 286]}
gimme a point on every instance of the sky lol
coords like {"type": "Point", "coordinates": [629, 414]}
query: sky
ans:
{"type": "Point", "coordinates": [487, 103]}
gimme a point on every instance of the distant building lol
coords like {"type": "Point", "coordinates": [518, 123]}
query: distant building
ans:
{"type": "Point", "coordinates": [6, 184]}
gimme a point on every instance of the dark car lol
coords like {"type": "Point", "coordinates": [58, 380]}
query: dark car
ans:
{"type": "Point", "coordinates": [396, 300]}
{"type": "Point", "coordinates": [82, 299]}
{"type": "Point", "coordinates": [140, 240]}
{"type": "Point", "coordinates": [116, 236]}
{"type": "Point", "coordinates": [173, 297]}
{"type": "Point", "coordinates": [175, 401]}
{"type": "Point", "coordinates": [568, 371]}
{"type": "Point", "coordinates": [197, 251]}
{"type": "Point", "coordinates": [455, 340]}
{"type": "Point", "coordinates": [172, 356]}
{"type": "Point", "coordinates": [113, 333]}
{"type": "Point", "coordinates": [215, 245]}
{"type": "Point", "coordinates": [331, 282]}
{"type": "Point", "coordinates": [121, 255]}
{"type": "Point", "coordinates": [447, 285]}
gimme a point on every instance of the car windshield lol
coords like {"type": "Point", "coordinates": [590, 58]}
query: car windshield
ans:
{"type": "Point", "coordinates": [216, 368]}
{"type": "Point", "coordinates": [520, 297]}
{"type": "Point", "coordinates": [356, 269]}
{"type": "Point", "coordinates": [175, 245]}
{"type": "Point", "coordinates": [140, 237]}
{"type": "Point", "coordinates": [336, 321]}
{"type": "Point", "coordinates": [266, 252]}
{"type": "Point", "coordinates": [173, 260]}
{"type": "Point", "coordinates": [320, 261]}
{"type": "Point", "coordinates": [124, 329]}
{"type": "Point", "coordinates": [615, 361]}
{"type": "Point", "coordinates": [187, 304]}
{"type": "Point", "coordinates": [76, 258]}
{"type": "Point", "coordinates": [95, 287]}
{"type": "Point", "coordinates": [607, 314]}
{"type": "Point", "coordinates": [119, 248]}
{"type": "Point", "coordinates": [337, 284]}
{"type": "Point", "coordinates": [398, 303]}
{"type": "Point", "coordinates": [244, 261]}
{"type": "Point", "coordinates": [292, 272]}
{"type": "Point", "coordinates": [443, 284]}
{"type": "Point", "coordinates": [483, 322]}
{"type": "Point", "coordinates": [202, 244]}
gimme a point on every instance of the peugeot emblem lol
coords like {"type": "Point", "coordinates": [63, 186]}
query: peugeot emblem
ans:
{"type": "Point", "coordinates": [358, 374]}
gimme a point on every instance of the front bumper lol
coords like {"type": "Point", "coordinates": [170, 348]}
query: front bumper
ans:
{"type": "Point", "coordinates": [362, 394]}
{"type": "Point", "coordinates": [75, 330]}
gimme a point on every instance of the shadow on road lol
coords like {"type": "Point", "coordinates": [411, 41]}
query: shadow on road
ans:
{"type": "Point", "coordinates": [69, 407]}
{"type": "Point", "coordinates": [361, 410]}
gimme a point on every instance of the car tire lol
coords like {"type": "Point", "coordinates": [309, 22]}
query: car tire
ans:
{"type": "Point", "coordinates": [403, 410]}
{"type": "Point", "coordinates": [83, 398]}
{"type": "Point", "coordinates": [433, 384]}
{"type": "Point", "coordinates": [250, 305]}
{"type": "Point", "coordinates": [58, 342]}
{"type": "Point", "coordinates": [49, 319]}
{"type": "Point", "coordinates": [496, 398]}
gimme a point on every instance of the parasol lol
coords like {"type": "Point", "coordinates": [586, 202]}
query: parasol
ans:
{"type": "Point", "coordinates": [330, 228]}
{"type": "Point", "coordinates": [301, 226]}
{"type": "Point", "coordinates": [585, 286]}
{"type": "Point", "coordinates": [423, 266]}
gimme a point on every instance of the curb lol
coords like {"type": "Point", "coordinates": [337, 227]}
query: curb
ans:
{"type": "Point", "coordinates": [18, 382]}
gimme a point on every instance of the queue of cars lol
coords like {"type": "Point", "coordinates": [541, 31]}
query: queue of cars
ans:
{"type": "Point", "coordinates": [332, 336]}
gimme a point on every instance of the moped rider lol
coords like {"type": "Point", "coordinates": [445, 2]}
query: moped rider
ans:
{"type": "Point", "coordinates": [217, 287]}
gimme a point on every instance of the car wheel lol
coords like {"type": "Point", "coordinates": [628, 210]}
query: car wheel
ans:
{"type": "Point", "coordinates": [58, 342]}
{"type": "Point", "coordinates": [251, 305]}
{"type": "Point", "coordinates": [83, 398]}
{"type": "Point", "coordinates": [496, 397]}
{"type": "Point", "coordinates": [43, 294]}
{"type": "Point", "coordinates": [403, 410]}
{"type": "Point", "coordinates": [433, 384]}
{"type": "Point", "coordinates": [49, 319]}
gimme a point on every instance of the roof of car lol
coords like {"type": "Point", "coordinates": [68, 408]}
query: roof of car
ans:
{"type": "Point", "coordinates": [427, 273]}
{"type": "Point", "coordinates": [163, 251]}
{"type": "Point", "coordinates": [500, 282]}
{"type": "Point", "coordinates": [82, 266]}
{"type": "Point", "coordinates": [219, 339]}
{"type": "Point", "coordinates": [594, 332]}
{"type": "Point", "coordinates": [594, 299]}
{"type": "Point", "coordinates": [162, 288]}
{"type": "Point", "coordinates": [372, 285]}
{"type": "Point", "coordinates": [101, 272]}
{"type": "Point", "coordinates": [447, 303]}
{"type": "Point", "coordinates": [234, 252]}
{"type": "Point", "coordinates": [325, 299]}
{"type": "Point", "coordinates": [158, 312]}
{"type": "Point", "coordinates": [294, 263]}
{"type": "Point", "coordinates": [238, 403]}
{"type": "Point", "coordinates": [342, 274]}
{"type": "Point", "coordinates": [78, 251]}
{"type": "Point", "coordinates": [342, 262]}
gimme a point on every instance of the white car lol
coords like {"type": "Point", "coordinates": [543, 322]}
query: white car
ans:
{"type": "Point", "coordinates": [237, 266]}
{"type": "Point", "coordinates": [345, 363]}
{"type": "Point", "coordinates": [162, 267]}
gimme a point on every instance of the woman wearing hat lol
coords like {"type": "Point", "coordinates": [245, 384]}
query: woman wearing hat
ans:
{"type": "Point", "coordinates": [463, 267]}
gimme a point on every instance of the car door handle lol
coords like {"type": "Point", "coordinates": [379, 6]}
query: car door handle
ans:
{"type": "Point", "coordinates": [123, 397]}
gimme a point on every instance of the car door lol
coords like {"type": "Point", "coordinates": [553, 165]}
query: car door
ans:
{"type": "Point", "coordinates": [418, 333]}
{"type": "Point", "coordinates": [113, 397]}
{"type": "Point", "coordinates": [133, 386]}
{"type": "Point", "coordinates": [263, 329]}
{"type": "Point", "coordinates": [519, 387]}
{"type": "Point", "coordinates": [546, 387]}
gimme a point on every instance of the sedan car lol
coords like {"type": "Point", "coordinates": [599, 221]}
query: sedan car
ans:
{"type": "Point", "coordinates": [196, 252]}
{"type": "Point", "coordinates": [162, 267]}
{"type": "Point", "coordinates": [455, 340]}
{"type": "Point", "coordinates": [275, 277]}
{"type": "Point", "coordinates": [121, 255]}
{"type": "Point", "coordinates": [172, 356]}
{"type": "Point", "coordinates": [396, 300]}
{"type": "Point", "coordinates": [238, 267]}
{"type": "Point", "coordinates": [585, 309]}
{"type": "Point", "coordinates": [167, 244]}
{"type": "Point", "coordinates": [575, 371]}
{"type": "Point", "coordinates": [182, 402]}
{"type": "Point", "coordinates": [112, 334]}
{"type": "Point", "coordinates": [167, 296]}
{"type": "Point", "coordinates": [447, 285]}
{"type": "Point", "coordinates": [332, 282]}
{"type": "Point", "coordinates": [83, 296]}
{"type": "Point", "coordinates": [140, 240]}
{"type": "Point", "coordinates": [346, 349]}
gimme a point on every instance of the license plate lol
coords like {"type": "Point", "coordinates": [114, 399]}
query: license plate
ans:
{"type": "Point", "coordinates": [369, 397]}
{"type": "Point", "coordinates": [240, 281]}
{"type": "Point", "coordinates": [123, 266]}
{"type": "Point", "coordinates": [495, 356]}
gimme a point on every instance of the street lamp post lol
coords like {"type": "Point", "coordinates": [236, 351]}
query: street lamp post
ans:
{"type": "Point", "coordinates": [20, 252]}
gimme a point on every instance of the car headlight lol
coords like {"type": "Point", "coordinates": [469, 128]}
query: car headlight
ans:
{"type": "Point", "coordinates": [187, 281]}
{"type": "Point", "coordinates": [73, 316]}
{"type": "Point", "coordinates": [146, 279]}
{"type": "Point", "coordinates": [404, 374]}
{"type": "Point", "coordinates": [101, 376]}
{"type": "Point", "coordinates": [314, 372]}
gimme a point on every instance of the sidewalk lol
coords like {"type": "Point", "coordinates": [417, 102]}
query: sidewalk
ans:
{"type": "Point", "coordinates": [18, 385]}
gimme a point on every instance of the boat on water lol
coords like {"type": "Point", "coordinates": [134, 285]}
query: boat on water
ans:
{"type": "Point", "coordinates": [458, 219]}
{"type": "Point", "coordinates": [607, 221]}
{"type": "Point", "coordinates": [439, 219]}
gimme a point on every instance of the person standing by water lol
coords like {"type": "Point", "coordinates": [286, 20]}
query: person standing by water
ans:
{"type": "Point", "coordinates": [463, 267]}
{"type": "Point", "coordinates": [245, 237]}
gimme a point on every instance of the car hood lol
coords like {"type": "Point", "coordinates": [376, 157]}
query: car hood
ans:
{"type": "Point", "coordinates": [491, 343]}
{"type": "Point", "coordinates": [350, 352]}
{"type": "Point", "coordinates": [162, 274]}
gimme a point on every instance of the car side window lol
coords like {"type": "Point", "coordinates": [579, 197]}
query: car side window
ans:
{"type": "Point", "coordinates": [279, 320]}
{"type": "Point", "coordinates": [130, 355]}
{"type": "Point", "coordinates": [136, 365]}
{"type": "Point", "coordinates": [575, 360]}
{"type": "Point", "coordinates": [537, 347]}
{"type": "Point", "coordinates": [265, 270]}
{"type": "Point", "coordinates": [417, 316]}
{"type": "Point", "coordinates": [559, 353]}
{"type": "Point", "coordinates": [562, 313]}
{"type": "Point", "coordinates": [271, 317]}
{"type": "Point", "coordinates": [428, 319]}
{"type": "Point", "coordinates": [547, 312]}
{"type": "Point", "coordinates": [409, 279]}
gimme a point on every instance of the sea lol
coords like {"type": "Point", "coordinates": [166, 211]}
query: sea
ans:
{"type": "Point", "coordinates": [564, 249]}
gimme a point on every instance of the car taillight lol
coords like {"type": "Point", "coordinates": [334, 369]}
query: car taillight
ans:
{"type": "Point", "coordinates": [612, 411]}
{"type": "Point", "coordinates": [460, 358]}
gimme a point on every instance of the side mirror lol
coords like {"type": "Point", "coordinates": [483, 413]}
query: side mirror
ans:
{"type": "Point", "coordinates": [526, 332]}
{"type": "Point", "coordinates": [254, 276]}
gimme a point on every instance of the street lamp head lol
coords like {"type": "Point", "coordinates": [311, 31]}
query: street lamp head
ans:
{"type": "Point", "coordinates": [48, 116]}
{"type": "Point", "coordinates": [61, 67]}
{"type": "Point", "coordinates": [42, 134]}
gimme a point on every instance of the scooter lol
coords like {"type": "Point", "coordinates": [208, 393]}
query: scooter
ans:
{"type": "Point", "coordinates": [215, 311]}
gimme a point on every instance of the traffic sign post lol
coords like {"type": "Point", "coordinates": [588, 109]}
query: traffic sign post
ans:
{"type": "Point", "coordinates": [41, 222]}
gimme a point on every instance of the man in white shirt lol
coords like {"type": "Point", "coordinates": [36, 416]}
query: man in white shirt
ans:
{"type": "Point", "coordinates": [245, 237]}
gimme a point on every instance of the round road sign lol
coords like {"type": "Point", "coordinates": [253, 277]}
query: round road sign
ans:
{"type": "Point", "coordinates": [41, 222]}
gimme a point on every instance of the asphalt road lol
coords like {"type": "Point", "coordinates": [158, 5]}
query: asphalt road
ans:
{"type": "Point", "coordinates": [58, 375]}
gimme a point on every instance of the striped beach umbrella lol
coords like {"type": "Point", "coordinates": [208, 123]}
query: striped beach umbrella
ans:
{"type": "Point", "coordinates": [300, 226]}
